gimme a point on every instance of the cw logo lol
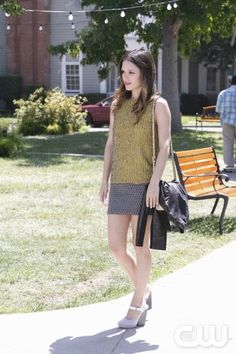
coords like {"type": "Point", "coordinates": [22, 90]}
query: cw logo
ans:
{"type": "Point", "coordinates": [190, 336]}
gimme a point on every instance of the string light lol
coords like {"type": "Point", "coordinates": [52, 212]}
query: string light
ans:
{"type": "Point", "coordinates": [106, 21]}
{"type": "Point", "coordinates": [169, 2]}
{"type": "Point", "coordinates": [70, 17]}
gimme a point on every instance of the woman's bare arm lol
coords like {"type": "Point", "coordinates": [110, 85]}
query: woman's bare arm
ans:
{"type": "Point", "coordinates": [107, 162]}
{"type": "Point", "coordinates": [163, 119]}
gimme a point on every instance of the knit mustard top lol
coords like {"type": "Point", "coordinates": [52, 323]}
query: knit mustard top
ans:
{"type": "Point", "coordinates": [132, 145]}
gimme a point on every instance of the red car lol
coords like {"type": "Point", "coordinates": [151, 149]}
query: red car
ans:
{"type": "Point", "coordinates": [98, 114]}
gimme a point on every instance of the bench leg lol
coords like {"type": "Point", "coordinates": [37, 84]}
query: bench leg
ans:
{"type": "Point", "coordinates": [215, 205]}
{"type": "Point", "coordinates": [226, 199]}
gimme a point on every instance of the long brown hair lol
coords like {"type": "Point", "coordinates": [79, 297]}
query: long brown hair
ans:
{"type": "Point", "coordinates": [144, 61]}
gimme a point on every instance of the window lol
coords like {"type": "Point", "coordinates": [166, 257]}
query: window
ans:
{"type": "Point", "coordinates": [72, 77]}
{"type": "Point", "coordinates": [71, 74]}
{"type": "Point", "coordinates": [211, 79]}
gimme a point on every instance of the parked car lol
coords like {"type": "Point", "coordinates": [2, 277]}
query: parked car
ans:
{"type": "Point", "coordinates": [98, 114]}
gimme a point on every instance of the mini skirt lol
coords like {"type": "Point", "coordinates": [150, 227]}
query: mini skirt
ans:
{"type": "Point", "coordinates": [125, 198]}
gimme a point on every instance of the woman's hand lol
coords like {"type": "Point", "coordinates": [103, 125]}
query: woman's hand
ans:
{"type": "Point", "coordinates": [103, 193]}
{"type": "Point", "coordinates": [152, 195]}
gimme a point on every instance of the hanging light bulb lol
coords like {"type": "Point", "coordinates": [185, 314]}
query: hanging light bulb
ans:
{"type": "Point", "coordinates": [8, 27]}
{"type": "Point", "coordinates": [106, 21]}
{"type": "Point", "coordinates": [73, 25]}
{"type": "Point", "coordinates": [175, 5]}
{"type": "Point", "coordinates": [40, 28]}
{"type": "Point", "coordinates": [7, 14]}
{"type": "Point", "coordinates": [122, 14]}
{"type": "Point", "coordinates": [70, 17]}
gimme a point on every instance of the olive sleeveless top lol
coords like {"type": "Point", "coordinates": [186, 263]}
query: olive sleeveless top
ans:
{"type": "Point", "coordinates": [132, 145]}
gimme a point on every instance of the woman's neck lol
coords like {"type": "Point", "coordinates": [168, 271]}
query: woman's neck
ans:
{"type": "Point", "coordinates": [136, 93]}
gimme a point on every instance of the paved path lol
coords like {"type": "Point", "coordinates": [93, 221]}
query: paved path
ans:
{"type": "Point", "coordinates": [194, 312]}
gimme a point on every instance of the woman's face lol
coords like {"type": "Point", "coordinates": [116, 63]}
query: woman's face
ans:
{"type": "Point", "coordinates": [131, 76]}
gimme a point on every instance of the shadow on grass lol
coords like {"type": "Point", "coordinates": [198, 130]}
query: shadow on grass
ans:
{"type": "Point", "coordinates": [79, 143]}
{"type": "Point", "coordinates": [45, 160]}
{"type": "Point", "coordinates": [209, 226]}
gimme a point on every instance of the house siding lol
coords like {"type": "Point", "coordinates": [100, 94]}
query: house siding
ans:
{"type": "Point", "coordinates": [2, 43]}
{"type": "Point", "coordinates": [91, 82]}
{"type": "Point", "coordinates": [61, 32]}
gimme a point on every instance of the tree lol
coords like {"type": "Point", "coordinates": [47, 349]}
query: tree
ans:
{"type": "Point", "coordinates": [219, 51]}
{"type": "Point", "coordinates": [177, 30]}
{"type": "Point", "coordinates": [12, 7]}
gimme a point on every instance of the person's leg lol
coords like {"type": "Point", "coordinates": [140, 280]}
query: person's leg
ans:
{"type": "Point", "coordinates": [143, 268]}
{"type": "Point", "coordinates": [228, 132]}
{"type": "Point", "coordinates": [118, 226]}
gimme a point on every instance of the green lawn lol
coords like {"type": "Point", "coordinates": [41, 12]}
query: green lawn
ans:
{"type": "Point", "coordinates": [53, 234]}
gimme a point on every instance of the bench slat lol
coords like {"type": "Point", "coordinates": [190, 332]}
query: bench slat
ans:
{"type": "Point", "coordinates": [196, 165]}
{"type": "Point", "coordinates": [199, 158]}
{"type": "Point", "coordinates": [194, 152]}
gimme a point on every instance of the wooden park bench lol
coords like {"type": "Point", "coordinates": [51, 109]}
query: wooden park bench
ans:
{"type": "Point", "coordinates": [209, 115]}
{"type": "Point", "coordinates": [199, 173]}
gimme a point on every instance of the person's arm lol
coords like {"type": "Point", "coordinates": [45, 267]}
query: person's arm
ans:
{"type": "Point", "coordinates": [107, 162]}
{"type": "Point", "coordinates": [218, 104]}
{"type": "Point", "coordinates": [163, 119]}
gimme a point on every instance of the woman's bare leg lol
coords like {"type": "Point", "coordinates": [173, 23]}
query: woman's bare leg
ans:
{"type": "Point", "coordinates": [118, 226]}
{"type": "Point", "coordinates": [143, 267]}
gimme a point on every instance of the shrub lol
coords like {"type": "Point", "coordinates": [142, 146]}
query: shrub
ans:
{"type": "Point", "coordinates": [191, 103]}
{"type": "Point", "coordinates": [30, 114]}
{"type": "Point", "coordinates": [10, 145]}
{"type": "Point", "coordinates": [10, 89]}
{"type": "Point", "coordinates": [49, 112]}
{"type": "Point", "coordinates": [63, 111]}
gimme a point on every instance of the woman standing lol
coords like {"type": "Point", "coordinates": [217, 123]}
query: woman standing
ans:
{"type": "Point", "coordinates": [128, 164]}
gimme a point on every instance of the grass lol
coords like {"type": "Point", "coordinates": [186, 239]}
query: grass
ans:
{"type": "Point", "coordinates": [53, 233]}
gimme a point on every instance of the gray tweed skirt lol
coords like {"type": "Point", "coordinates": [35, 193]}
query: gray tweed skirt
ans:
{"type": "Point", "coordinates": [125, 198]}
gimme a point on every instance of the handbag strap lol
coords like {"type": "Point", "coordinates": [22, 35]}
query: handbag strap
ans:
{"type": "Point", "coordinates": [154, 141]}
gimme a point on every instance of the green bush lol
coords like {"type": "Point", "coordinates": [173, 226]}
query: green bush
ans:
{"type": "Point", "coordinates": [10, 89]}
{"type": "Point", "coordinates": [49, 112]}
{"type": "Point", "coordinates": [10, 145]}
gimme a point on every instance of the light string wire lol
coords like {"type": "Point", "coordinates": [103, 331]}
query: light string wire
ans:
{"type": "Point", "coordinates": [104, 10]}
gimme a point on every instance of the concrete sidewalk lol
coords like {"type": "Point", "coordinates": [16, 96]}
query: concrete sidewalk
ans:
{"type": "Point", "coordinates": [194, 311]}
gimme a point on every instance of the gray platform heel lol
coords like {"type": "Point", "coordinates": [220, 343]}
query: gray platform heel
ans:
{"type": "Point", "coordinates": [139, 321]}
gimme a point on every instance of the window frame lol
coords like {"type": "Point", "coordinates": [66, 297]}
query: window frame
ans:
{"type": "Point", "coordinates": [64, 63]}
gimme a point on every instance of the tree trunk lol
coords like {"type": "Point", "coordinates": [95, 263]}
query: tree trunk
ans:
{"type": "Point", "coordinates": [170, 90]}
